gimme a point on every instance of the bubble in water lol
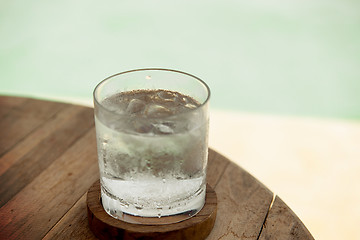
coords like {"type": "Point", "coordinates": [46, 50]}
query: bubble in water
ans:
{"type": "Point", "coordinates": [135, 106]}
{"type": "Point", "coordinates": [138, 207]}
{"type": "Point", "coordinates": [104, 141]}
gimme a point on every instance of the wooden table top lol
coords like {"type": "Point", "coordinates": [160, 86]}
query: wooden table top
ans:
{"type": "Point", "coordinates": [48, 161]}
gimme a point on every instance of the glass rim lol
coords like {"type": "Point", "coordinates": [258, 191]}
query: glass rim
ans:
{"type": "Point", "coordinates": [151, 69]}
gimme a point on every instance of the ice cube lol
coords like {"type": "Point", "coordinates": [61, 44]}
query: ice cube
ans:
{"type": "Point", "coordinates": [118, 163]}
{"type": "Point", "coordinates": [190, 106]}
{"type": "Point", "coordinates": [163, 128]}
{"type": "Point", "coordinates": [141, 125]}
{"type": "Point", "coordinates": [155, 110]}
{"type": "Point", "coordinates": [115, 104]}
{"type": "Point", "coordinates": [135, 106]}
{"type": "Point", "coordinates": [167, 96]}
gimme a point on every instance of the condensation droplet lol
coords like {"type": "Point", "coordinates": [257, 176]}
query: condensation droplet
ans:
{"type": "Point", "coordinates": [148, 164]}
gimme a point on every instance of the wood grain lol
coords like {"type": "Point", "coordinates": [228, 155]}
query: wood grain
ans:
{"type": "Point", "coordinates": [21, 120]}
{"type": "Point", "coordinates": [8, 103]}
{"type": "Point", "coordinates": [216, 167]}
{"type": "Point", "coordinates": [73, 225]}
{"type": "Point", "coordinates": [282, 223]}
{"type": "Point", "coordinates": [44, 201]}
{"type": "Point", "coordinates": [43, 154]}
{"type": "Point", "coordinates": [32, 140]}
{"type": "Point", "coordinates": [243, 205]}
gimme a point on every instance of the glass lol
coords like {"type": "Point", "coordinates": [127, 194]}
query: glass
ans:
{"type": "Point", "coordinates": [152, 140]}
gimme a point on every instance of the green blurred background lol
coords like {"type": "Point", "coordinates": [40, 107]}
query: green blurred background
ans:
{"type": "Point", "coordinates": [284, 57]}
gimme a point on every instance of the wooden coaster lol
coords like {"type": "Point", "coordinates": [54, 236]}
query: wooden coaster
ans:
{"type": "Point", "coordinates": [107, 227]}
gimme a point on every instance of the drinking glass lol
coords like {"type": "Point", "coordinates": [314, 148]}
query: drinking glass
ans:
{"type": "Point", "coordinates": [152, 141]}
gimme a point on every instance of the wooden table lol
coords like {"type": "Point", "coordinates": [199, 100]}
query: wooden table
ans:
{"type": "Point", "coordinates": [48, 161]}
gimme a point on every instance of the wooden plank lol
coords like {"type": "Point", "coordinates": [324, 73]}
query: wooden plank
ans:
{"type": "Point", "coordinates": [8, 103]}
{"type": "Point", "coordinates": [74, 224]}
{"type": "Point", "coordinates": [43, 202]}
{"type": "Point", "coordinates": [216, 167]}
{"type": "Point", "coordinates": [11, 101]}
{"type": "Point", "coordinates": [243, 203]}
{"type": "Point", "coordinates": [282, 223]}
{"type": "Point", "coordinates": [20, 121]}
{"type": "Point", "coordinates": [40, 157]}
{"type": "Point", "coordinates": [24, 146]}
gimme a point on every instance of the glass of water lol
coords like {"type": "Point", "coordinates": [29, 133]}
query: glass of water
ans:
{"type": "Point", "coordinates": [152, 140]}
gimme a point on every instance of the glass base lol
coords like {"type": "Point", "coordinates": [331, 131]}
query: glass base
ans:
{"type": "Point", "coordinates": [120, 212]}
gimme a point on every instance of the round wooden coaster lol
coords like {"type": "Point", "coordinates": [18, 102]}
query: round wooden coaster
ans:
{"type": "Point", "coordinates": [107, 227]}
